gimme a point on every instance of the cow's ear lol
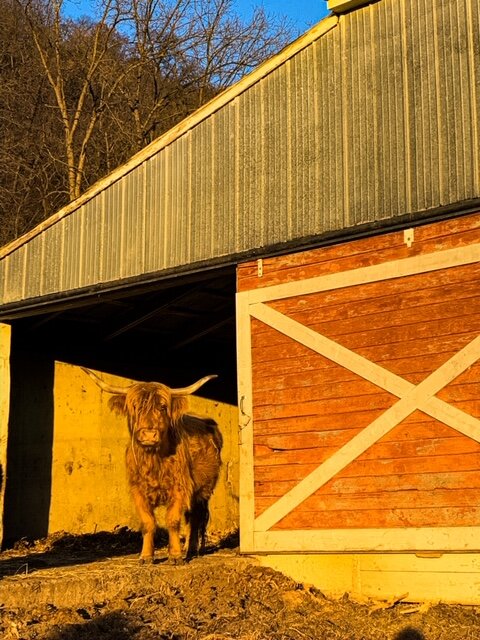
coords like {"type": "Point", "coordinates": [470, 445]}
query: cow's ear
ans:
{"type": "Point", "coordinates": [117, 403]}
{"type": "Point", "coordinates": [179, 406]}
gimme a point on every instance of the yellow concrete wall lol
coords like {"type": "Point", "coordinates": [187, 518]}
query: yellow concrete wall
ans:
{"type": "Point", "coordinates": [89, 488]}
{"type": "Point", "coordinates": [449, 578]}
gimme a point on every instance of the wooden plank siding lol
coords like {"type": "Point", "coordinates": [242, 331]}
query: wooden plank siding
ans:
{"type": "Point", "coordinates": [293, 267]}
{"type": "Point", "coordinates": [364, 388]}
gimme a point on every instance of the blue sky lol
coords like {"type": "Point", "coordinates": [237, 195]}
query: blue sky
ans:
{"type": "Point", "coordinates": [302, 13]}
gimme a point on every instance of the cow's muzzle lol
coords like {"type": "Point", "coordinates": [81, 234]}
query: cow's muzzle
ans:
{"type": "Point", "coordinates": [147, 437]}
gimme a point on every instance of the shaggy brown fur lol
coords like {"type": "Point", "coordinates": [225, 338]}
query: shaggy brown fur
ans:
{"type": "Point", "coordinates": [173, 459]}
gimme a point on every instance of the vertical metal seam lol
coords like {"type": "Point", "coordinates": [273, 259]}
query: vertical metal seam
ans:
{"type": "Point", "coordinates": [120, 224]}
{"type": "Point", "coordinates": [289, 146]}
{"type": "Point", "coordinates": [101, 247]}
{"type": "Point", "coordinates": [189, 210]}
{"type": "Point", "coordinates": [143, 217]}
{"type": "Point", "coordinates": [82, 255]}
{"type": "Point", "coordinates": [406, 107]}
{"type": "Point", "coordinates": [237, 174]}
{"type": "Point", "coordinates": [263, 178]}
{"type": "Point", "coordinates": [319, 209]}
{"type": "Point", "coordinates": [61, 270]}
{"type": "Point", "coordinates": [24, 278]}
{"type": "Point", "coordinates": [345, 117]}
{"type": "Point", "coordinates": [463, 93]}
{"type": "Point", "coordinates": [473, 96]}
{"type": "Point", "coordinates": [166, 210]}
{"type": "Point", "coordinates": [374, 72]}
{"type": "Point", "coordinates": [438, 94]}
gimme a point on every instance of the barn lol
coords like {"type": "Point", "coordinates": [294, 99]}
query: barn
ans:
{"type": "Point", "coordinates": [311, 235]}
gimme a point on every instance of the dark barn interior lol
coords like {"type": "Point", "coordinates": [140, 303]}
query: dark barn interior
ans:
{"type": "Point", "coordinates": [174, 331]}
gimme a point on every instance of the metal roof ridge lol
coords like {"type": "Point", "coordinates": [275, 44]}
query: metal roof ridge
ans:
{"type": "Point", "coordinates": [344, 6]}
{"type": "Point", "coordinates": [188, 123]}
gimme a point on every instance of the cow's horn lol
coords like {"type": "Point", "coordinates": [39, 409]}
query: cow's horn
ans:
{"type": "Point", "coordinates": [103, 385]}
{"type": "Point", "coordinates": [185, 391]}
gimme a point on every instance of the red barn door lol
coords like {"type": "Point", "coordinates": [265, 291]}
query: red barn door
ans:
{"type": "Point", "coordinates": [359, 392]}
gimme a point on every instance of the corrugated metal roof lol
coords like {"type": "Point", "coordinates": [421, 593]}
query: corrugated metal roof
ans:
{"type": "Point", "coordinates": [366, 118]}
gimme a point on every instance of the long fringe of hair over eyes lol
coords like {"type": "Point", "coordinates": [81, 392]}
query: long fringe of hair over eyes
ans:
{"type": "Point", "coordinates": [145, 397]}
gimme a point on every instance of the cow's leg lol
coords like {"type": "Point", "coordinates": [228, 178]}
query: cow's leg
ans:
{"type": "Point", "coordinates": [147, 519]}
{"type": "Point", "coordinates": [204, 518]}
{"type": "Point", "coordinates": [198, 519]}
{"type": "Point", "coordinates": [174, 513]}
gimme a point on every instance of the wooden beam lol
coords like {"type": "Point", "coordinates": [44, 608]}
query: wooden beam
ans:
{"type": "Point", "coordinates": [375, 273]}
{"type": "Point", "coordinates": [371, 540]}
{"type": "Point", "coordinates": [245, 406]}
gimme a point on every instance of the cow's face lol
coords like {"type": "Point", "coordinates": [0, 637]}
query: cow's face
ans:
{"type": "Point", "coordinates": [151, 411]}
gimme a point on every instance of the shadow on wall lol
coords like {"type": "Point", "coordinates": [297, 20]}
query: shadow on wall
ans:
{"type": "Point", "coordinates": [28, 479]}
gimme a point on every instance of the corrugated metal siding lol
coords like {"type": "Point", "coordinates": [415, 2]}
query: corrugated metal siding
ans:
{"type": "Point", "coordinates": [377, 118]}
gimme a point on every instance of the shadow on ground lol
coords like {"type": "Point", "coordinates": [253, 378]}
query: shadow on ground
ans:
{"type": "Point", "coordinates": [409, 633]}
{"type": "Point", "coordinates": [63, 550]}
{"type": "Point", "coordinates": [109, 626]}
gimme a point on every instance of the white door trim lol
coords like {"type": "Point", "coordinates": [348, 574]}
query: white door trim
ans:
{"type": "Point", "coordinates": [255, 533]}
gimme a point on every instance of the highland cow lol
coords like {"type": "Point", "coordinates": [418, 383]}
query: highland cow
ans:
{"type": "Point", "coordinates": [173, 460]}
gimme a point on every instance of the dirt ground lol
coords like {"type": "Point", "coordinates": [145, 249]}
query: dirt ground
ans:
{"type": "Point", "coordinates": [216, 597]}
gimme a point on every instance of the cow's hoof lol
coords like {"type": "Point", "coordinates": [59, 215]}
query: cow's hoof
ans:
{"type": "Point", "coordinates": [175, 561]}
{"type": "Point", "coordinates": [146, 560]}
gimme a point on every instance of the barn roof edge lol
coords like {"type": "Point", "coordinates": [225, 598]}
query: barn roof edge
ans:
{"type": "Point", "coordinates": [24, 307]}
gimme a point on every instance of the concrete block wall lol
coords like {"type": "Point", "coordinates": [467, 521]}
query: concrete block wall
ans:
{"type": "Point", "coordinates": [89, 487]}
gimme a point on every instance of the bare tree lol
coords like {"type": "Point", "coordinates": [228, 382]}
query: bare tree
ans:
{"type": "Point", "coordinates": [27, 194]}
{"type": "Point", "coordinates": [188, 51]}
{"type": "Point", "coordinates": [84, 94]}
{"type": "Point", "coordinates": [80, 105]}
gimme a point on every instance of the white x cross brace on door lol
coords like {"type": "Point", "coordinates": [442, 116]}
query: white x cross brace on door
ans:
{"type": "Point", "coordinates": [256, 532]}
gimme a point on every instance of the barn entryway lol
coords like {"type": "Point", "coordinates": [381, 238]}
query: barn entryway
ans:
{"type": "Point", "coordinates": [174, 332]}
